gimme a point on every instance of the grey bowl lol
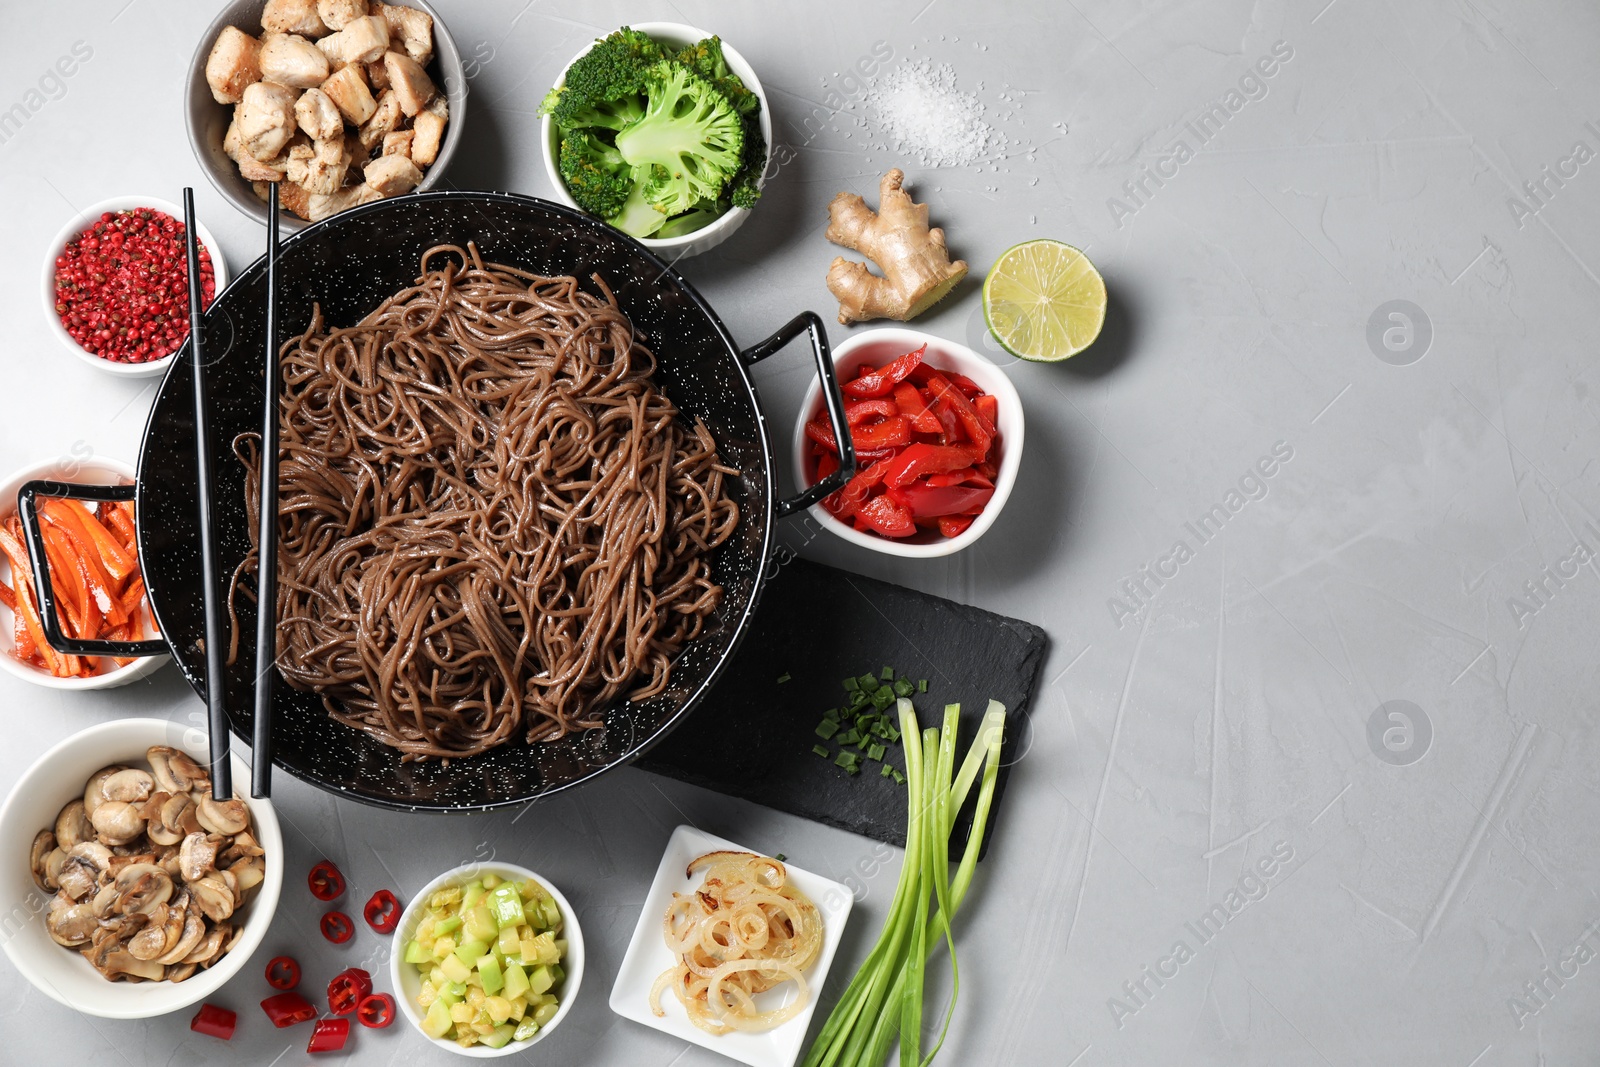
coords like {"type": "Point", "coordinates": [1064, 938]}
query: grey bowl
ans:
{"type": "Point", "coordinates": [207, 120]}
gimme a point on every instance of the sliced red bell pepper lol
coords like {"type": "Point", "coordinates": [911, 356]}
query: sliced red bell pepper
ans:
{"type": "Point", "coordinates": [857, 412]}
{"type": "Point", "coordinates": [847, 501]}
{"type": "Point", "coordinates": [879, 382]}
{"type": "Point", "coordinates": [375, 1010]}
{"type": "Point", "coordinates": [931, 502]}
{"type": "Point", "coordinates": [920, 460]}
{"type": "Point", "coordinates": [950, 431]}
{"type": "Point", "coordinates": [287, 1009]}
{"type": "Point", "coordinates": [827, 463]}
{"type": "Point", "coordinates": [329, 1036]}
{"type": "Point", "coordinates": [969, 476]}
{"type": "Point", "coordinates": [882, 514]}
{"type": "Point", "coordinates": [215, 1022]}
{"type": "Point", "coordinates": [822, 433]}
{"type": "Point", "coordinates": [909, 399]}
{"type": "Point", "coordinates": [889, 433]}
{"type": "Point", "coordinates": [923, 374]}
{"type": "Point", "coordinates": [954, 525]}
{"type": "Point", "coordinates": [988, 406]}
{"type": "Point", "coordinates": [980, 431]}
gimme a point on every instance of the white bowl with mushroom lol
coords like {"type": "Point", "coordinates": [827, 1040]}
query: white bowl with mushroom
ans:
{"type": "Point", "coordinates": [339, 102]}
{"type": "Point", "coordinates": [161, 894]}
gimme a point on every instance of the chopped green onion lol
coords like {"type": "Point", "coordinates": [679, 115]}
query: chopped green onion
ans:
{"type": "Point", "coordinates": [869, 682]}
{"type": "Point", "coordinates": [898, 777]}
{"type": "Point", "coordinates": [887, 674]}
{"type": "Point", "coordinates": [882, 698]}
{"type": "Point", "coordinates": [784, 677]}
{"type": "Point", "coordinates": [876, 752]}
{"type": "Point", "coordinates": [903, 687]}
{"type": "Point", "coordinates": [922, 685]}
{"type": "Point", "coordinates": [827, 728]}
{"type": "Point", "coordinates": [781, 858]}
{"type": "Point", "coordinates": [821, 750]}
{"type": "Point", "coordinates": [832, 714]}
{"type": "Point", "coordinates": [851, 684]}
{"type": "Point", "coordinates": [886, 771]}
{"type": "Point", "coordinates": [849, 737]}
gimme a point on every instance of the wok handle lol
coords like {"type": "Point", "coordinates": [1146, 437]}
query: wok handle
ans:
{"type": "Point", "coordinates": [808, 323]}
{"type": "Point", "coordinates": [49, 618]}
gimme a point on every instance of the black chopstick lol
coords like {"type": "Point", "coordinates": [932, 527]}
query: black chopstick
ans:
{"type": "Point", "coordinates": [267, 539]}
{"type": "Point", "coordinates": [217, 718]}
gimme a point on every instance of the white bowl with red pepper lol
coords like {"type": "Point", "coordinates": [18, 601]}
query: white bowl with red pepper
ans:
{"type": "Point", "coordinates": [116, 284]}
{"type": "Point", "coordinates": [938, 435]}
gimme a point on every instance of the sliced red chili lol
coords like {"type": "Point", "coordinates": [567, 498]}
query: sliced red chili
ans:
{"type": "Point", "coordinates": [376, 1010]}
{"type": "Point", "coordinates": [326, 881]}
{"type": "Point", "coordinates": [329, 1036]}
{"type": "Point", "coordinates": [954, 525]}
{"type": "Point", "coordinates": [382, 912]}
{"type": "Point", "coordinates": [910, 402]}
{"type": "Point", "coordinates": [890, 433]}
{"type": "Point", "coordinates": [879, 382]}
{"type": "Point", "coordinates": [346, 990]}
{"type": "Point", "coordinates": [337, 927]}
{"type": "Point", "coordinates": [287, 1009]}
{"type": "Point", "coordinates": [283, 972]}
{"type": "Point", "coordinates": [884, 515]}
{"type": "Point", "coordinates": [857, 412]}
{"type": "Point", "coordinates": [215, 1022]}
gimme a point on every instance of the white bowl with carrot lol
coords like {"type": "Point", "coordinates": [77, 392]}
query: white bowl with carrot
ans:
{"type": "Point", "coordinates": [94, 572]}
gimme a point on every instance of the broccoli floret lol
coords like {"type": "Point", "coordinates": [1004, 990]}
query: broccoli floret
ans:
{"type": "Point", "coordinates": [705, 58]}
{"type": "Point", "coordinates": [596, 175]}
{"type": "Point", "coordinates": [690, 137]}
{"type": "Point", "coordinates": [745, 188]}
{"type": "Point", "coordinates": [608, 74]}
{"type": "Point", "coordinates": [638, 216]}
{"type": "Point", "coordinates": [701, 216]}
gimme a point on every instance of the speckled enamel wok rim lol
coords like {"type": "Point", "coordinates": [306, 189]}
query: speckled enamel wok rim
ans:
{"type": "Point", "coordinates": [708, 378]}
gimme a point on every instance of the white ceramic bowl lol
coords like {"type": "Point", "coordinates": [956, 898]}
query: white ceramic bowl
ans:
{"type": "Point", "coordinates": [877, 348]}
{"type": "Point", "coordinates": [55, 778]}
{"type": "Point", "coordinates": [406, 980]}
{"type": "Point", "coordinates": [82, 221]}
{"type": "Point", "coordinates": [709, 236]}
{"type": "Point", "coordinates": [92, 471]}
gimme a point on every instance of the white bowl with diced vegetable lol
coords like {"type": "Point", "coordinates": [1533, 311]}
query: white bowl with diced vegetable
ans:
{"type": "Point", "coordinates": [713, 233]}
{"type": "Point", "coordinates": [532, 963]}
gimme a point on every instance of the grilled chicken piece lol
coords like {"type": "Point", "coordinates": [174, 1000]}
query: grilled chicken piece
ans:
{"type": "Point", "coordinates": [377, 75]}
{"type": "Point", "coordinates": [428, 129]}
{"type": "Point", "coordinates": [290, 59]}
{"type": "Point", "coordinates": [320, 207]}
{"type": "Point", "coordinates": [318, 115]}
{"type": "Point", "coordinates": [398, 143]}
{"type": "Point", "coordinates": [233, 64]}
{"type": "Point", "coordinates": [385, 118]}
{"type": "Point", "coordinates": [294, 198]}
{"type": "Point", "coordinates": [266, 119]}
{"type": "Point", "coordinates": [337, 14]}
{"type": "Point", "coordinates": [413, 29]}
{"type": "Point", "coordinates": [362, 41]}
{"type": "Point", "coordinates": [320, 169]}
{"type": "Point", "coordinates": [392, 175]}
{"type": "Point", "coordinates": [349, 93]}
{"type": "Point", "coordinates": [293, 16]}
{"type": "Point", "coordinates": [409, 82]}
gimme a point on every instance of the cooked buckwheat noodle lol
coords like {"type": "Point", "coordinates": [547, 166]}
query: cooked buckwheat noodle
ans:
{"type": "Point", "coordinates": [493, 524]}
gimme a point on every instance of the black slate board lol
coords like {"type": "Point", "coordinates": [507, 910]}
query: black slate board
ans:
{"type": "Point", "coordinates": [753, 736]}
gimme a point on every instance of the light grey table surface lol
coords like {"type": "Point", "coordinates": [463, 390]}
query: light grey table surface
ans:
{"type": "Point", "coordinates": [1426, 870]}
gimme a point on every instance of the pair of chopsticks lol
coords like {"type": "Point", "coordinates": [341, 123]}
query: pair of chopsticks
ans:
{"type": "Point", "coordinates": [267, 570]}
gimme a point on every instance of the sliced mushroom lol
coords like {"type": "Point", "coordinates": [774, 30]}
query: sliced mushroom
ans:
{"type": "Point", "coordinates": [53, 862]}
{"type": "Point", "coordinates": [171, 861]}
{"type": "Point", "coordinates": [73, 825]}
{"type": "Point", "coordinates": [224, 817]}
{"type": "Point", "coordinates": [125, 856]}
{"type": "Point", "coordinates": [213, 897]}
{"type": "Point", "coordinates": [44, 843]}
{"type": "Point", "coordinates": [181, 972]}
{"type": "Point", "coordinates": [249, 872]}
{"type": "Point", "coordinates": [117, 822]}
{"type": "Point", "coordinates": [160, 936]}
{"type": "Point", "coordinates": [129, 785]}
{"type": "Point", "coordinates": [210, 947]}
{"type": "Point", "coordinates": [142, 888]}
{"type": "Point", "coordinates": [68, 923]}
{"type": "Point", "coordinates": [92, 796]}
{"type": "Point", "coordinates": [194, 929]}
{"type": "Point", "coordinates": [243, 845]}
{"type": "Point", "coordinates": [159, 832]}
{"type": "Point", "coordinates": [80, 871]}
{"type": "Point", "coordinates": [231, 880]}
{"type": "Point", "coordinates": [234, 939]}
{"type": "Point", "coordinates": [198, 855]}
{"type": "Point", "coordinates": [174, 771]}
{"type": "Point", "coordinates": [119, 963]}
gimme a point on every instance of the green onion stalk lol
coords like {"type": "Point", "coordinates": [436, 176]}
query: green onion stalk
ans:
{"type": "Point", "coordinates": [884, 1001]}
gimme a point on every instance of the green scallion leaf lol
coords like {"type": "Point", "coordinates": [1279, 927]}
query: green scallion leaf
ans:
{"type": "Point", "coordinates": [903, 687]}
{"type": "Point", "coordinates": [827, 728]}
{"type": "Point", "coordinates": [886, 771]}
{"type": "Point", "coordinates": [922, 685]}
{"type": "Point", "coordinates": [875, 752]}
{"type": "Point", "coordinates": [887, 674]}
{"type": "Point", "coordinates": [868, 682]}
{"type": "Point", "coordinates": [852, 685]}
{"type": "Point", "coordinates": [821, 750]}
{"type": "Point", "coordinates": [784, 677]}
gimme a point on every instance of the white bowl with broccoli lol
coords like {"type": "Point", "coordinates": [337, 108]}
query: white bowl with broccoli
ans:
{"type": "Point", "coordinates": [661, 130]}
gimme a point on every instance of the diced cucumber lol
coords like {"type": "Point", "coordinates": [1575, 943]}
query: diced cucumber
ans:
{"type": "Point", "coordinates": [443, 946]}
{"type": "Point", "coordinates": [455, 969]}
{"type": "Point", "coordinates": [447, 926]}
{"type": "Point", "coordinates": [469, 951]}
{"type": "Point", "coordinates": [541, 979]}
{"type": "Point", "coordinates": [545, 1012]}
{"type": "Point", "coordinates": [437, 1023]}
{"type": "Point", "coordinates": [489, 971]}
{"type": "Point", "coordinates": [479, 923]}
{"type": "Point", "coordinates": [507, 942]}
{"type": "Point", "coordinates": [500, 1037]}
{"type": "Point", "coordinates": [516, 980]}
{"type": "Point", "coordinates": [506, 906]}
{"type": "Point", "coordinates": [525, 1029]}
{"type": "Point", "coordinates": [417, 952]}
{"type": "Point", "coordinates": [471, 893]}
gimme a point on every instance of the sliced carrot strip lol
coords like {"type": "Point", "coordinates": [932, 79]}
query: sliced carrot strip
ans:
{"type": "Point", "coordinates": [67, 580]}
{"type": "Point", "coordinates": [116, 558]}
{"type": "Point", "coordinates": [101, 584]}
{"type": "Point", "coordinates": [119, 517]}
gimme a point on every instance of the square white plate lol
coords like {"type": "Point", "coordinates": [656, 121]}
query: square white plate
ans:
{"type": "Point", "coordinates": [647, 957]}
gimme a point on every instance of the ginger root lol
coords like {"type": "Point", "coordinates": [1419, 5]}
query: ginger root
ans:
{"type": "Point", "coordinates": [916, 266]}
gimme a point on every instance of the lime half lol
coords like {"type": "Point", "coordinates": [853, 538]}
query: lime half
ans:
{"type": "Point", "coordinates": [1044, 301]}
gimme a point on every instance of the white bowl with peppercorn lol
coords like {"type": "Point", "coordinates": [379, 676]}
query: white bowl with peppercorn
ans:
{"type": "Point", "coordinates": [117, 269]}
